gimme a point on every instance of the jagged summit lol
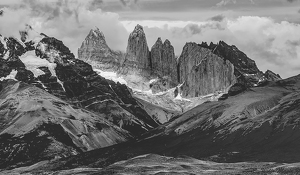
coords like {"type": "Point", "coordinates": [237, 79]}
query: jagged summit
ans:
{"type": "Point", "coordinates": [241, 61]}
{"type": "Point", "coordinates": [137, 52]}
{"type": "Point", "coordinates": [245, 69]}
{"type": "Point", "coordinates": [167, 42]}
{"type": "Point", "coordinates": [158, 43]}
{"type": "Point", "coordinates": [163, 64]}
{"type": "Point", "coordinates": [138, 30]}
{"type": "Point", "coordinates": [97, 34]}
{"type": "Point", "coordinates": [271, 76]}
{"type": "Point", "coordinates": [95, 49]}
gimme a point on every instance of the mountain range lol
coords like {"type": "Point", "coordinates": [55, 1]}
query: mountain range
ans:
{"type": "Point", "coordinates": [110, 112]}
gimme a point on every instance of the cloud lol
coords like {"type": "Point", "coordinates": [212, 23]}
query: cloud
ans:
{"type": "Point", "coordinates": [273, 45]}
{"type": "Point", "coordinates": [227, 2]}
{"type": "Point", "coordinates": [67, 20]}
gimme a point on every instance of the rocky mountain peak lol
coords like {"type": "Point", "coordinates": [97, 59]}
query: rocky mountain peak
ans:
{"type": "Point", "coordinates": [95, 49]}
{"type": "Point", "coordinates": [164, 64]}
{"type": "Point", "coordinates": [96, 34]}
{"type": "Point", "coordinates": [138, 30]}
{"type": "Point", "coordinates": [167, 42]}
{"type": "Point", "coordinates": [158, 43]}
{"type": "Point", "coordinates": [271, 76]}
{"type": "Point", "coordinates": [137, 52]}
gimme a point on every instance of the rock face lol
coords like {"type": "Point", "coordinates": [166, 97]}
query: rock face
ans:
{"type": "Point", "coordinates": [206, 69]}
{"type": "Point", "coordinates": [245, 68]}
{"type": "Point", "coordinates": [137, 52]}
{"type": "Point", "coordinates": [95, 51]}
{"type": "Point", "coordinates": [163, 61]}
{"type": "Point", "coordinates": [203, 72]}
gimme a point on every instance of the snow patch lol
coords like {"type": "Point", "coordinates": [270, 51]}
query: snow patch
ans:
{"type": "Point", "coordinates": [42, 84]}
{"type": "Point", "coordinates": [111, 76]}
{"type": "Point", "coordinates": [3, 42]}
{"type": "Point", "coordinates": [153, 80]}
{"type": "Point", "coordinates": [36, 40]}
{"type": "Point", "coordinates": [249, 74]}
{"type": "Point", "coordinates": [42, 47]}
{"type": "Point", "coordinates": [34, 36]}
{"type": "Point", "coordinates": [6, 55]}
{"type": "Point", "coordinates": [12, 75]}
{"type": "Point", "coordinates": [149, 92]}
{"type": "Point", "coordinates": [32, 63]}
{"type": "Point", "coordinates": [20, 42]}
{"type": "Point", "coordinates": [179, 97]}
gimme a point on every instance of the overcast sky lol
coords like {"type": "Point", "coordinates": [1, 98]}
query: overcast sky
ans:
{"type": "Point", "coordinates": [268, 31]}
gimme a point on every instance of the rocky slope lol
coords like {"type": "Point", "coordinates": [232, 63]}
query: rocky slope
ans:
{"type": "Point", "coordinates": [260, 124]}
{"type": "Point", "coordinates": [95, 51]}
{"type": "Point", "coordinates": [49, 65]}
{"type": "Point", "coordinates": [36, 125]}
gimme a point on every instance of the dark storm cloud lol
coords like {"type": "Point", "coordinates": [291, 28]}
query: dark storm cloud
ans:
{"type": "Point", "coordinates": [217, 18]}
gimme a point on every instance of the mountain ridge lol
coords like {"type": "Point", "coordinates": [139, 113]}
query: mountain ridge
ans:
{"type": "Point", "coordinates": [160, 62]}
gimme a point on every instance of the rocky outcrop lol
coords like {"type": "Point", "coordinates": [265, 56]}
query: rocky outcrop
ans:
{"type": "Point", "coordinates": [137, 52]}
{"type": "Point", "coordinates": [203, 72]}
{"type": "Point", "coordinates": [245, 69]}
{"type": "Point", "coordinates": [157, 57]}
{"type": "Point", "coordinates": [271, 76]}
{"type": "Point", "coordinates": [163, 61]}
{"type": "Point", "coordinates": [95, 51]}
